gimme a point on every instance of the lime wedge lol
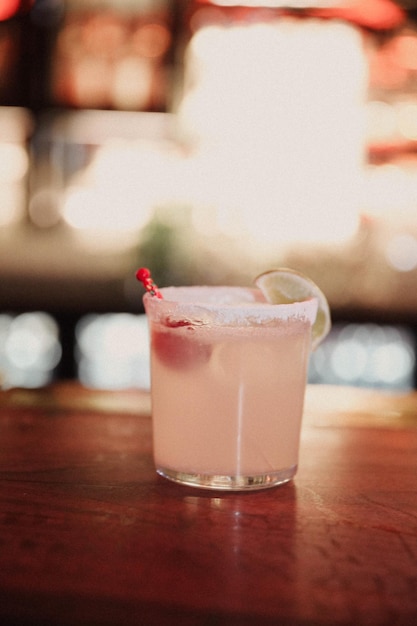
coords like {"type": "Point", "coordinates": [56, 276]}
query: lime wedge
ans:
{"type": "Point", "coordinates": [283, 286]}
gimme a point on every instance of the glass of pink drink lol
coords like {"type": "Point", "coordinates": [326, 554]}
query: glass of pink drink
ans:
{"type": "Point", "coordinates": [228, 374]}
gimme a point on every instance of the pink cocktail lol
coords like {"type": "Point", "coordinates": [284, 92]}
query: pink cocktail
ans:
{"type": "Point", "coordinates": [228, 382]}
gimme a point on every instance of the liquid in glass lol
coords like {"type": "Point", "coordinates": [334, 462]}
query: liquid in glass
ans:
{"type": "Point", "coordinates": [228, 377]}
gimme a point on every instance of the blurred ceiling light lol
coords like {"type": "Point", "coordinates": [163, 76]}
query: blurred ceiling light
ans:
{"type": "Point", "coordinates": [390, 188]}
{"type": "Point", "coordinates": [88, 85]}
{"type": "Point", "coordinates": [12, 204]}
{"type": "Point", "coordinates": [119, 189]}
{"type": "Point", "coordinates": [16, 124]}
{"type": "Point", "coordinates": [130, 86]}
{"type": "Point", "coordinates": [93, 209]}
{"type": "Point", "coordinates": [103, 34]}
{"type": "Point", "coordinates": [15, 127]}
{"type": "Point", "coordinates": [14, 163]}
{"type": "Point", "coordinates": [375, 14]}
{"type": "Point", "coordinates": [105, 49]}
{"type": "Point", "coordinates": [276, 111]}
{"type": "Point", "coordinates": [44, 208]}
{"type": "Point", "coordinates": [151, 40]}
{"type": "Point", "coordinates": [401, 252]}
{"type": "Point", "coordinates": [381, 121]}
{"type": "Point", "coordinates": [8, 8]}
{"type": "Point", "coordinates": [407, 119]}
{"type": "Point", "coordinates": [388, 121]}
{"type": "Point", "coordinates": [405, 50]}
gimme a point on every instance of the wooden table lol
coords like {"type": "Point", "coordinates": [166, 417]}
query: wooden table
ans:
{"type": "Point", "coordinates": [90, 535]}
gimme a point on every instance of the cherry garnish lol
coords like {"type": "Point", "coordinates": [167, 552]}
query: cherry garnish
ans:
{"type": "Point", "coordinates": [179, 349]}
{"type": "Point", "coordinates": [144, 276]}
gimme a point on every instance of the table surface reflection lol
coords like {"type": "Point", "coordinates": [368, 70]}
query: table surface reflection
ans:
{"type": "Point", "coordinates": [90, 535]}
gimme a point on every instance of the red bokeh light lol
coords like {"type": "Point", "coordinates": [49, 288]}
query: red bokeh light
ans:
{"type": "Point", "coordinates": [8, 8]}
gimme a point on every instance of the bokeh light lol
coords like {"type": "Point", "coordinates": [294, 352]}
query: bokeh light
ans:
{"type": "Point", "coordinates": [8, 8]}
{"type": "Point", "coordinates": [119, 188]}
{"type": "Point", "coordinates": [407, 119]}
{"type": "Point", "coordinates": [30, 349]}
{"type": "Point", "coordinates": [113, 351]}
{"type": "Point", "coordinates": [390, 189]}
{"type": "Point", "coordinates": [15, 126]}
{"type": "Point", "coordinates": [287, 166]}
{"type": "Point", "coordinates": [14, 163]}
{"type": "Point", "coordinates": [366, 355]}
{"type": "Point", "coordinates": [401, 252]}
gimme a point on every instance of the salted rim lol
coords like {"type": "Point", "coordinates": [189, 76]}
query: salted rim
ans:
{"type": "Point", "coordinates": [241, 306]}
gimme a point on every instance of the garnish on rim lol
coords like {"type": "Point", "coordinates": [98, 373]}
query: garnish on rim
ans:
{"type": "Point", "coordinates": [144, 276]}
{"type": "Point", "coordinates": [177, 347]}
{"type": "Point", "coordinates": [283, 286]}
{"type": "Point", "coordinates": [171, 341]}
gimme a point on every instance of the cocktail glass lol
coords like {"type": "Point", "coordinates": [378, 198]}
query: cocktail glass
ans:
{"type": "Point", "coordinates": [228, 379]}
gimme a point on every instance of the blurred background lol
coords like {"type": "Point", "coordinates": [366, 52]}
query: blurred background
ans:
{"type": "Point", "coordinates": [210, 141]}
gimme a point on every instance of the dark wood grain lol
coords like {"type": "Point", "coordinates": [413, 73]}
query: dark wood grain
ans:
{"type": "Point", "coordinates": [90, 535]}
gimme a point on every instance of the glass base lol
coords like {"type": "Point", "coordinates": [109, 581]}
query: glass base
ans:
{"type": "Point", "coordinates": [230, 483]}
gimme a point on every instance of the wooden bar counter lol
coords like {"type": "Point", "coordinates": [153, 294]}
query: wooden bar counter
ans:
{"type": "Point", "coordinates": [91, 536]}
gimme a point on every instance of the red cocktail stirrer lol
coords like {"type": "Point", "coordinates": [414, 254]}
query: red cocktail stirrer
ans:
{"type": "Point", "coordinates": [144, 276]}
